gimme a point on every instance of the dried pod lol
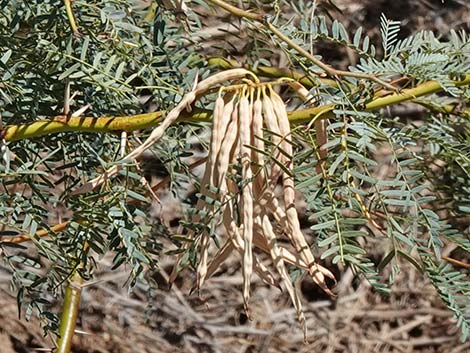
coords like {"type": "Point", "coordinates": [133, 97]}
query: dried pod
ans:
{"type": "Point", "coordinates": [244, 126]}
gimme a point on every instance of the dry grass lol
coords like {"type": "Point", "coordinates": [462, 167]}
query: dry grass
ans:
{"type": "Point", "coordinates": [411, 319]}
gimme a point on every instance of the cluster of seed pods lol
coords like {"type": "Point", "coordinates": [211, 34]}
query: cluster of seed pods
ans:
{"type": "Point", "coordinates": [251, 153]}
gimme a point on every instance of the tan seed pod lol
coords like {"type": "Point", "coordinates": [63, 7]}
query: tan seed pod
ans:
{"type": "Point", "coordinates": [294, 231]}
{"type": "Point", "coordinates": [221, 128]}
{"type": "Point", "coordinates": [216, 175]}
{"type": "Point", "coordinates": [272, 125]}
{"type": "Point", "coordinates": [222, 162]}
{"type": "Point", "coordinates": [288, 184]}
{"type": "Point", "coordinates": [270, 118]}
{"type": "Point", "coordinates": [282, 121]}
{"type": "Point", "coordinates": [217, 121]}
{"type": "Point", "coordinates": [320, 125]}
{"type": "Point", "coordinates": [228, 142]}
{"type": "Point", "coordinates": [223, 108]}
{"type": "Point", "coordinates": [244, 127]}
{"type": "Point", "coordinates": [301, 91]}
{"type": "Point", "coordinates": [222, 77]}
{"type": "Point", "coordinates": [281, 269]}
{"type": "Point", "coordinates": [257, 157]}
{"type": "Point", "coordinates": [219, 109]}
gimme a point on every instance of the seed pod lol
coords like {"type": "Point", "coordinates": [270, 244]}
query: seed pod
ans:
{"type": "Point", "coordinates": [320, 125]}
{"type": "Point", "coordinates": [294, 232]}
{"type": "Point", "coordinates": [221, 121]}
{"type": "Point", "coordinates": [220, 110]}
{"type": "Point", "coordinates": [278, 261]}
{"type": "Point", "coordinates": [301, 91]}
{"type": "Point", "coordinates": [258, 144]}
{"type": "Point", "coordinates": [222, 77]}
{"type": "Point", "coordinates": [223, 159]}
{"type": "Point", "coordinates": [222, 128]}
{"type": "Point", "coordinates": [282, 121]}
{"type": "Point", "coordinates": [272, 125]}
{"type": "Point", "coordinates": [244, 123]}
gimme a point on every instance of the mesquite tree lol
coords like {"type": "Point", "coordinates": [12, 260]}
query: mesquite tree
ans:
{"type": "Point", "coordinates": [77, 82]}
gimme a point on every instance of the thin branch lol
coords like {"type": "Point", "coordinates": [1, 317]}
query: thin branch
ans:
{"type": "Point", "coordinates": [237, 11]}
{"type": "Point", "coordinates": [71, 17]}
{"type": "Point", "coordinates": [456, 262]}
{"type": "Point", "coordinates": [40, 233]}
{"type": "Point", "coordinates": [331, 71]}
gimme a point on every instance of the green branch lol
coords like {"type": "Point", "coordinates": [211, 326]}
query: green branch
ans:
{"type": "Point", "coordinates": [423, 89]}
{"type": "Point", "coordinates": [69, 315]}
{"type": "Point", "coordinates": [71, 17]}
{"type": "Point", "coordinates": [80, 124]}
{"type": "Point", "coordinates": [97, 125]}
{"type": "Point", "coordinates": [309, 82]}
{"type": "Point", "coordinates": [269, 71]}
{"type": "Point", "coordinates": [148, 120]}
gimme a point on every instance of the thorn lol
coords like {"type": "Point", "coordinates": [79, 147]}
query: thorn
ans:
{"type": "Point", "coordinates": [82, 110]}
{"type": "Point", "coordinates": [196, 80]}
{"type": "Point", "coordinates": [247, 312]}
{"type": "Point", "coordinates": [80, 332]}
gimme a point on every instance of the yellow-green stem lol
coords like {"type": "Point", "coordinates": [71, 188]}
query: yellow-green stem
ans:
{"type": "Point", "coordinates": [70, 16]}
{"type": "Point", "coordinates": [82, 124]}
{"type": "Point", "coordinates": [421, 90]}
{"type": "Point", "coordinates": [268, 71]}
{"type": "Point", "coordinates": [141, 121]}
{"type": "Point", "coordinates": [69, 314]}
